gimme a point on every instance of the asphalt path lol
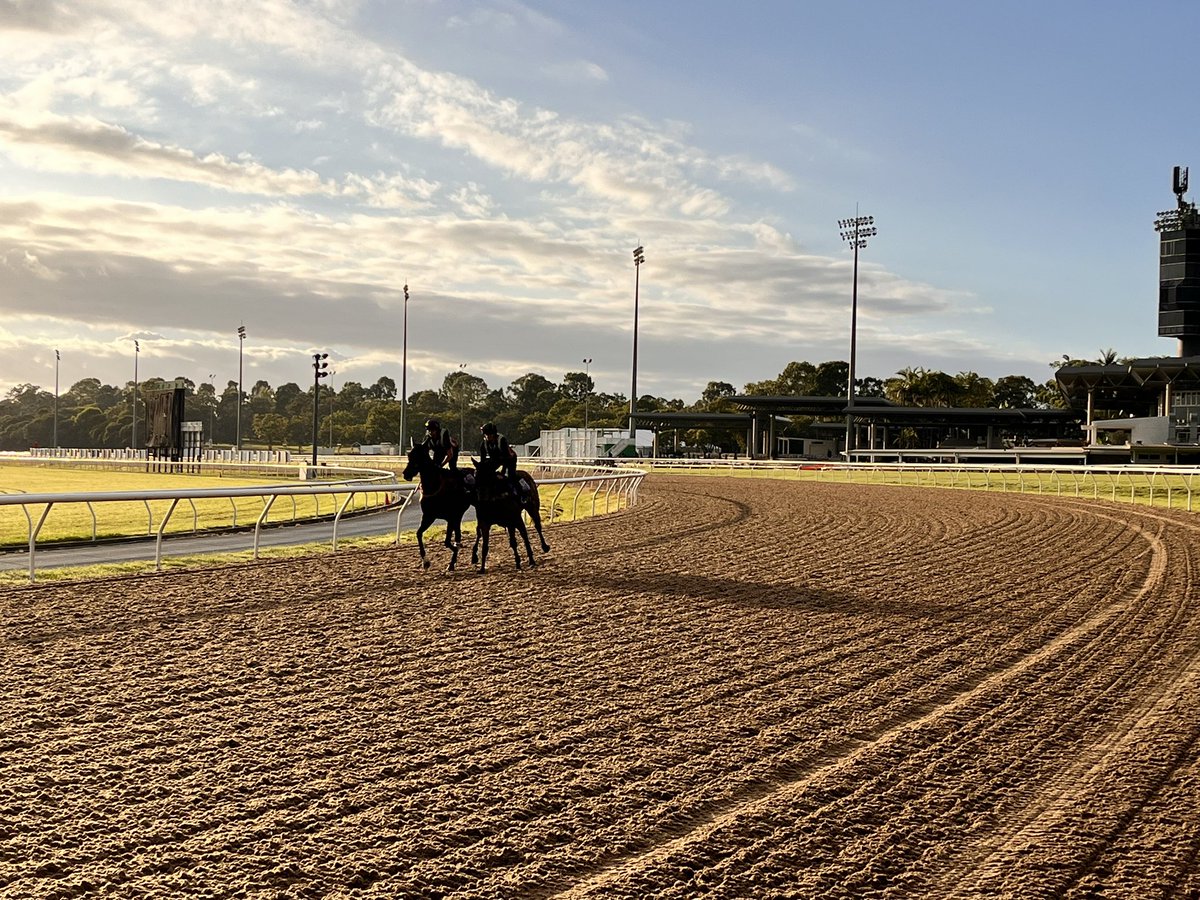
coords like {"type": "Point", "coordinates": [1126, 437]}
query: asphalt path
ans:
{"type": "Point", "coordinates": [142, 549]}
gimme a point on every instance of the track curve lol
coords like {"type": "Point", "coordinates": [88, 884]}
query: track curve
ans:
{"type": "Point", "coordinates": [737, 688]}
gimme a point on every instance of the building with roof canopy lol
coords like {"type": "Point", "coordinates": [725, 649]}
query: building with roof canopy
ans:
{"type": "Point", "coordinates": [1148, 410]}
{"type": "Point", "coordinates": [1143, 410]}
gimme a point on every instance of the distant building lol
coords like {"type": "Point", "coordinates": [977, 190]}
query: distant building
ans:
{"type": "Point", "coordinates": [1148, 410]}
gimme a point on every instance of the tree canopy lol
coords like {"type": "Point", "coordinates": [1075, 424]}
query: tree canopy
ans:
{"type": "Point", "coordinates": [92, 414]}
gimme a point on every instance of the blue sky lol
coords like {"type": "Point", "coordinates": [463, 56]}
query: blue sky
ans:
{"type": "Point", "coordinates": [171, 170]}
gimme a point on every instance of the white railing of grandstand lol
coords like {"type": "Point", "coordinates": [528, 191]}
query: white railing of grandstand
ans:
{"type": "Point", "coordinates": [619, 487]}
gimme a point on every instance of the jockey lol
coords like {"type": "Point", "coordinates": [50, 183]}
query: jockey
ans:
{"type": "Point", "coordinates": [495, 454]}
{"type": "Point", "coordinates": [442, 448]}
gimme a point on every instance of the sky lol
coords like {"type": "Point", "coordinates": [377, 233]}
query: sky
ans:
{"type": "Point", "coordinates": [172, 170]}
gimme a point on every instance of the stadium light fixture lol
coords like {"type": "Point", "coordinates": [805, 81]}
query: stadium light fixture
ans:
{"type": "Point", "coordinates": [241, 343]}
{"type": "Point", "coordinates": [320, 367]}
{"type": "Point", "coordinates": [638, 258]}
{"type": "Point", "coordinates": [462, 405]}
{"type": "Point", "coordinates": [137, 349]}
{"type": "Point", "coordinates": [57, 358]}
{"type": "Point", "coordinates": [855, 232]}
{"type": "Point", "coordinates": [587, 384]}
{"type": "Point", "coordinates": [404, 376]}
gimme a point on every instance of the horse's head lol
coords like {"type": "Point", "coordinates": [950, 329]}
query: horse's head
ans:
{"type": "Point", "coordinates": [418, 460]}
{"type": "Point", "coordinates": [489, 484]}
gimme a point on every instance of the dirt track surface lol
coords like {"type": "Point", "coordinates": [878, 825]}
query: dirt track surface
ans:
{"type": "Point", "coordinates": [739, 689]}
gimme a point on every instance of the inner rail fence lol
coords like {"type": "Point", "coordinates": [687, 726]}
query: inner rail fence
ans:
{"type": "Point", "coordinates": [577, 490]}
{"type": "Point", "coordinates": [1172, 487]}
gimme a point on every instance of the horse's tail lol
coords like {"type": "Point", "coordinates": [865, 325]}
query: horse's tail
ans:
{"type": "Point", "coordinates": [531, 501]}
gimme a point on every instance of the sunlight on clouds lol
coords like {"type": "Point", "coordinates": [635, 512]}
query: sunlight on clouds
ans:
{"type": "Point", "coordinates": [51, 16]}
{"type": "Point", "coordinates": [24, 260]}
{"type": "Point", "coordinates": [210, 84]}
{"type": "Point", "coordinates": [59, 143]}
{"type": "Point", "coordinates": [514, 218]}
{"type": "Point", "coordinates": [473, 201]}
{"type": "Point", "coordinates": [391, 191]}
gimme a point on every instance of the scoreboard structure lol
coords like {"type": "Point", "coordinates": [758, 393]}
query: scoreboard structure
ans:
{"type": "Point", "coordinates": [1179, 270]}
{"type": "Point", "coordinates": [163, 402]}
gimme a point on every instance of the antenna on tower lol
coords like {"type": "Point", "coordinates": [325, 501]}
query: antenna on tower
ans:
{"type": "Point", "coordinates": [1184, 215]}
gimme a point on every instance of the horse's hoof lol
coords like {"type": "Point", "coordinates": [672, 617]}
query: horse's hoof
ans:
{"type": "Point", "coordinates": [545, 548]}
{"type": "Point", "coordinates": [424, 564]}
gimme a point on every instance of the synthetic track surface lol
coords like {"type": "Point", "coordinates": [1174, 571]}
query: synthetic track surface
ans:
{"type": "Point", "coordinates": [738, 688]}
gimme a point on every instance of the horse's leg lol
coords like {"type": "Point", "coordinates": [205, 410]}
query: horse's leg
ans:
{"type": "Point", "coordinates": [475, 546]}
{"type": "Point", "coordinates": [453, 547]}
{"type": "Point", "coordinates": [535, 513]}
{"type": "Point", "coordinates": [486, 528]}
{"type": "Point", "coordinates": [528, 546]}
{"type": "Point", "coordinates": [426, 521]}
{"type": "Point", "coordinates": [512, 542]}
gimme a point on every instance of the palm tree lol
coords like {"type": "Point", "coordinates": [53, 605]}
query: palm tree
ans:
{"type": "Point", "coordinates": [905, 387]}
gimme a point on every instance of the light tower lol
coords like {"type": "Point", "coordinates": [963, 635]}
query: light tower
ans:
{"type": "Point", "coordinates": [855, 232]}
{"type": "Point", "coordinates": [57, 358]}
{"type": "Point", "coordinates": [587, 379]}
{"type": "Point", "coordinates": [137, 349]}
{"type": "Point", "coordinates": [241, 342]}
{"type": "Point", "coordinates": [404, 377]}
{"type": "Point", "coordinates": [638, 258]}
{"type": "Point", "coordinates": [1179, 270]}
{"type": "Point", "coordinates": [319, 371]}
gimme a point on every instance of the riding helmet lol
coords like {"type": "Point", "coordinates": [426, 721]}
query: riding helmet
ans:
{"type": "Point", "coordinates": [489, 428]}
{"type": "Point", "coordinates": [433, 424]}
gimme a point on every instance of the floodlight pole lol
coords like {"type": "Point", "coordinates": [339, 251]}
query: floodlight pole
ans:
{"type": "Point", "coordinates": [319, 366]}
{"type": "Point", "coordinates": [241, 343]}
{"type": "Point", "coordinates": [462, 405]}
{"type": "Point", "coordinates": [854, 231]}
{"type": "Point", "coordinates": [587, 383]}
{"type": "Point", "coordinates": [638, 258]}
{"type": "Point", "coordinates": [137, 349]}
{"type": "Point", "coordinates": [57, 357]}
{"type": "Point", "coordinates": [404, 377]}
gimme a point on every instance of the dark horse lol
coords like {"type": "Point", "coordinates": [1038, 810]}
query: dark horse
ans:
{"type": "Point", "coordinates": [442, 497]}
{"type": "Point", "coordinates": [496, 505]}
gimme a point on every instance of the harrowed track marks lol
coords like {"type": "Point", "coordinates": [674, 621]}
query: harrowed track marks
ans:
{"type": "Point", "coordinates": [738, 688]}
{"type": "Point", "coordinates": [863, 751]}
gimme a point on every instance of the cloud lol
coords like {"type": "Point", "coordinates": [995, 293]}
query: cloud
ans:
{"type": "Point", "coordinates": [22, 260]}
{"type": "Point", "coordinates": [71, 144]}
{"type": "Point", "coordinates": [579, 71]}
{"type": "Point", "coordinates": [51, 16]}
{"type": "Point", "coordinates": [625, 161]}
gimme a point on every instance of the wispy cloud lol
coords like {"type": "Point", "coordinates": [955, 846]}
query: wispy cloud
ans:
{"type": "Point", "coordinates": [84, 144]}
{"type": "Point", "coordinates": [579, 71]}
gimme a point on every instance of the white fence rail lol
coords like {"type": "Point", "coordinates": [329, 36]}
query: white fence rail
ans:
{"type": "Point", "coordinates": [376, 488]}
{"type": "Point", "coordinates": [1175, 487]}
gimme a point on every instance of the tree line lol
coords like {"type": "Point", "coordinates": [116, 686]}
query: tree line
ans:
{"type": "Point", "coordinates": [95, 415]}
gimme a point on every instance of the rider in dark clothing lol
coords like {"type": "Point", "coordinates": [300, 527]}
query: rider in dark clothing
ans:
{"type": "Point", "coordinates": [496, 454]}
{"type": "Point", "coordinates": [441, 446]}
